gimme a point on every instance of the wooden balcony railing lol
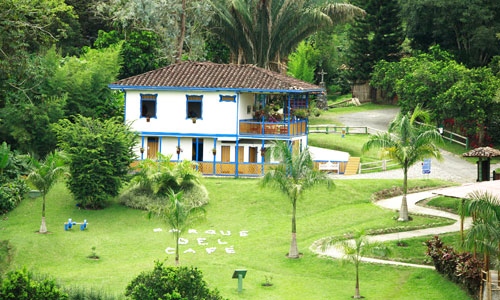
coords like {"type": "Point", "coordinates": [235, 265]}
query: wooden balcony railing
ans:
{"type": "Point", "coordinates": [256, 128]}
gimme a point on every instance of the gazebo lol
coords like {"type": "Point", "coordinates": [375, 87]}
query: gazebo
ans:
{"type": "Point", "coordinates": [484, 155]}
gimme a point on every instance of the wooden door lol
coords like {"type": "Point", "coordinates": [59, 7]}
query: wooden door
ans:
{"type": "Point", "coordinates": [225, 158]}
{"type": "Point", "coordinates": [252, 155]}
{"type": "Point", "coordinates": [152, 147]}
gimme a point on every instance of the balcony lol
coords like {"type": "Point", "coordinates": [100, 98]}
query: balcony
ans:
{"type": "Point", "coordinates": [281, 129]}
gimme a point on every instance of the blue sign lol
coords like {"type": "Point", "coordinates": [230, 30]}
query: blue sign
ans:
{"type": "Point", "coordinates": [426, 166]}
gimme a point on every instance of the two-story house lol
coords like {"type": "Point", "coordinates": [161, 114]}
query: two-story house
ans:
{"type": "Point", "coordinates": [222, 116]}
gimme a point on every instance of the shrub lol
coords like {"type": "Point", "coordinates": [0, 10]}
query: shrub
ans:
{"type": "Point", "coordinates": [461, 268]}
{"type": "Point", "coordinates": [20, 285]}
{"type": "Point", "coordinates": [11, 194]}
{"type": "Point", "coordinates": [166, 282]}
{"type": "Point", "coordinates": [100, 153]}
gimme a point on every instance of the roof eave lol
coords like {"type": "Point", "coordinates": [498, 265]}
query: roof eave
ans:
{"type": "Point", "coordinates": [173, 88]}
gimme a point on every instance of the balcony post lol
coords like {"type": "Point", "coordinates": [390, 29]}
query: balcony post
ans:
{"type": "Point", "coordinates": [236, 161]}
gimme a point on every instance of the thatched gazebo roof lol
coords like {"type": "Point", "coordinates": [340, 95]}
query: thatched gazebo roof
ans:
{"type": "Point", "coordinates": [482, 152]}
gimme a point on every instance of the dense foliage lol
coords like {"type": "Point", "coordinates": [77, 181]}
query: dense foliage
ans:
{"type": "Point", "coordinates": [463, 27]}
{"type": "Point", "coordinates": [461, 268]}
{"type": "Point", "coordinates": [140, 50]}
{"type": "Point", "coordinates": [100, 153]}
{"type": "Point", "coordinates": [12, 187]}
{"type": "Point", "coordinates": [164, 282]}
{"type": "Point", "coordinates": [20, 285]}
{"type": "Point", "coordinates": [449, 90]}
{"type": "Point", "coordinates": [376, 36]}
{"type": "Point", "coordinates": [301, 63]}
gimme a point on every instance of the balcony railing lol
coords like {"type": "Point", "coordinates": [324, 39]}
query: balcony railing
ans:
{"type": "Point", "coordinates": [259, 128]}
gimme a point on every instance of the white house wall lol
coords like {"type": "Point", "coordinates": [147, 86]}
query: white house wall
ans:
{"type": "Point", "coordinates": [217, 117]}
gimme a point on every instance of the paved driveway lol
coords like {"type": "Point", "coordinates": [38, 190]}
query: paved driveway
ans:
{"type": "Point", "coordinates": [452, 168]}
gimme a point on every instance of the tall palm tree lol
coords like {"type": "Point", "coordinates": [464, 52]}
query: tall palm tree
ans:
{"type": "Point", "coordinates": [263, 32]}
{"type": "Point", "coordinates": [176, 214]}
{"type": "Point", "coordinates": [44, 175]}
{"type": "Point", "coordinates": [408, 144]}
{"type": "Point", "coordinates": [293, 177]}
{"type": "Point", "coordinates": [353, 250]}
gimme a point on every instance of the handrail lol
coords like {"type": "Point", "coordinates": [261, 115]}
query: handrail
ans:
{"type": "Point", "coordinates": [450, 136]}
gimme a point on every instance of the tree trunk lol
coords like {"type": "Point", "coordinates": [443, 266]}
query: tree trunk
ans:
{"type": "Point", "coordinates": [177, 249]}
{"type": "Point", "coordinates": [43, 227]}
{"type": "Point", "coordinates": [356, 295]}
{"type": "Point", "coordinates": [403, 212]}
{"type": "Point", "coordinates": [294, 251]}
{"type": "Point", "coordinates": [180, 42]}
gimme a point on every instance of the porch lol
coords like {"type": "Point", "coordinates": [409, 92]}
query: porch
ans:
{"type": "Point", "coordinates": [218, 168]}
{"type": "Point", "coordinates": [253, 127]}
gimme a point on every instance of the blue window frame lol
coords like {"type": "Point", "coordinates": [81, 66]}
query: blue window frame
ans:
{"type": "Point", "coordinates": [148, 105]}
{"type": "Point", "coordinates": [227, 98]}
{"type": "Point", "coordinates": [194, 107]}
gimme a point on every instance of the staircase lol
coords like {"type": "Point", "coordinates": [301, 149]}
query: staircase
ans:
{"type": "Point", "coordinates": [352, 166]}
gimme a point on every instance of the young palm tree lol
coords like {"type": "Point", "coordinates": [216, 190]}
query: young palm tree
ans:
{"type": "Point", "coordinates": [264, 32]}
{"type": "Point", "coordinates": [408, 144]}
{"type": "Point", "coordinates": [176, 214]}
{"type": "Point", "coordinates": [292, 177]}
{"type": "Point", "coordinates": [353, 250]}
{"type": "Point", "coordinates": [44, 175]}
{"type": "Point", "coordinates": [484, 234]}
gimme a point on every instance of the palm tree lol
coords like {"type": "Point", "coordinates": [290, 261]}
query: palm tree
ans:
{"type": "Point", "coordinates": [353, 250]}
{"type": "Point", "coordinates": [293, 177]}
{"type": "Point", "coordinates": [44, 175]}
{"type": "Point", "coordinates": [408, 144]}
{"type": "Point", "coordinates": [176, 214]}
{"type": "Point", "coordinates": [264, 32]}
{"type": "Point", "coordinates": [484, 234]}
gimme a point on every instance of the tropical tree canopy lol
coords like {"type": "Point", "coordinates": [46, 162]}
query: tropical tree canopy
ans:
{"type": "Point", "coordinates": [264, 32]}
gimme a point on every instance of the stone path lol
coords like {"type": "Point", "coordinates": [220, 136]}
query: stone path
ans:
{"type": "Point", "coordinates": [395, 203]}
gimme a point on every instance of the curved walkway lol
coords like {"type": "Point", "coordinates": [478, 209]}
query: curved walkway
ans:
{"type": "Point", "coordinates": [394, 203]}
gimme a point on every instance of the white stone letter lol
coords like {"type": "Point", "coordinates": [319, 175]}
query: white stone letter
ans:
{"type": "Point", "coordinates": [170, 250]}
{"type": "Point", "coordinates": [189, 251]}
{"type": "Point", "coordinates": [192, 231]}
{"type": "Point", "coordinates": [244, 233]}
{"type": "Point", "coordinates": [210, 250]}
{"type": "Point", "coordinates": [227, 233]}
{"type": "Point", "coordinates": [202, 241]}
{"type": "Point", "coordinates": [221, 243]}
{"type": "Point", "coordinates": [211, 231]}
{"type": "Point", "coordinates": [183, 241]}
{"type": "Point", "coordinates": [230, 250]}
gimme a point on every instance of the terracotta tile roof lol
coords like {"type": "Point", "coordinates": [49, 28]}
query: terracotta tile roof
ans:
{"type": "Point", "coordinates": [212, 75]}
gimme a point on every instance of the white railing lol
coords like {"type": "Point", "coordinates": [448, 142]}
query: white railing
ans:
{"type": "Point", "coordinates": [383, 165]}
{"type": "Point", "coordinates": [450, 136]}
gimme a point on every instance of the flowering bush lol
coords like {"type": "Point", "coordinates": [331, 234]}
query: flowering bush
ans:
{"type": "Point", "coordinates": [461, 268]}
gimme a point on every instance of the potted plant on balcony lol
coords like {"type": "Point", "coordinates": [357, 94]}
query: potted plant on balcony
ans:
{"type": "Point", "coordinates": [194, 120]}
{"type": "Point", "coordinates": [178, 149]}
{"type": "Point", "coordinates": [301, 113]}
{"type": "Point", "coordinates": [214, 151]}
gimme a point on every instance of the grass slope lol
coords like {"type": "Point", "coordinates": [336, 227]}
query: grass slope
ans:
{"type": "Point", "coordinates": [127, 245]}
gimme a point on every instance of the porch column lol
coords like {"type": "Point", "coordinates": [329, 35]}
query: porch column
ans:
{"type": "Point", "coordinates": [215, 147]}
{"type": "Point", "coordinates": [237, 153]}
{"type": "Point", "coordinates": [262, 157]}
{"type": "Point", "coordinates": [142, 146]}
{"type": "Point", "coordinates": [178, 147]}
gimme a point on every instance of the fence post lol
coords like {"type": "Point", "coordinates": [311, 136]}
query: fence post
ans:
{"type": "Point", "coordinates": [326, 129]}
{"type": "Point", "coordinates": [384, 165]}
{"type": "Point", "coordinates": [466, 143]}
{"type": "Point", "coordinates": [366, 130]}
{"type": "Point", "coordinates": [347, 130]}
{"type": "Point", "coordinates": [359, 168]}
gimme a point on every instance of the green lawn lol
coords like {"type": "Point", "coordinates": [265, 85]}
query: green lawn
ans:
{"type": "Point", "coordinates": [446, 203]}
{"type": "Point", "coordinates": [330, 116]}
{"type": "Point", "coordinates": [127, 245]}
{"type": "Point", "coordinates": [414, 249]}
{"type": "Point", "coordinates": [459, 150]}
